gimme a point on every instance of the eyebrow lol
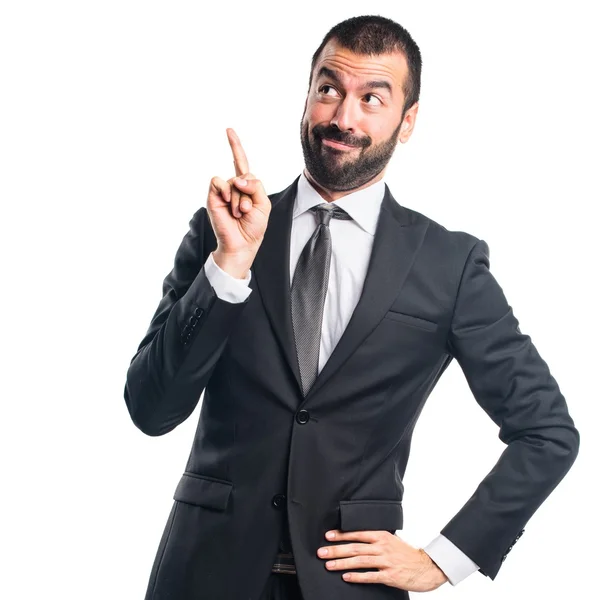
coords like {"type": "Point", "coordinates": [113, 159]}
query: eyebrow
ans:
{"type": "Point", "coordinates": [325, 71]}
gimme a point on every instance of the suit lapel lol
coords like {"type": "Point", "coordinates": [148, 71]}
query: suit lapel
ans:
{"type": "Point", "coordinates": [271, 268]}
{"type": "Point", "coordinates": [398, 237]}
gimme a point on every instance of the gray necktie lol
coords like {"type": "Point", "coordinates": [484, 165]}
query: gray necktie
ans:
{"type": "Point", "coordinates": [308, 292]}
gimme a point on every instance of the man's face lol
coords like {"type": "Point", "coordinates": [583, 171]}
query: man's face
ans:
{"type": "Point", "coordinates": [352, 119]}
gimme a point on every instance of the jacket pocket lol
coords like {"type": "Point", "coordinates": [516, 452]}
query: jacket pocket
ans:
{"type": "Point", "coordinates": [410, 320]}
{"type": "Point", "coordinates": [356, 515]}
{"type": "Point", "coordinates": [201, 490]}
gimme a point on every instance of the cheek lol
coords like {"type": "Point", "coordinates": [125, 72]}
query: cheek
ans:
{"type": "Point", "coordinates": [318, 112]}
{"type": "Point", "coordinates": [378, 132]}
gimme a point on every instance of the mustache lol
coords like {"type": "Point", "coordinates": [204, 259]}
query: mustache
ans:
{"type": "Point", "coordinates": [333, 133]}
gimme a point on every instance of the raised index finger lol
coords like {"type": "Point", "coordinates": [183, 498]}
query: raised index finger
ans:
{"type": "Point", "coordinates": [239, 156]}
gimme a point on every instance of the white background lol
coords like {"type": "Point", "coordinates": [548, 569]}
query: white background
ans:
{"type": "Point", "coordinates": [112, 122]}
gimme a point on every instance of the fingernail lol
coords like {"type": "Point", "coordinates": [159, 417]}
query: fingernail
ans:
{"type": "Point", "coordinates": [242, 181]}
{"type": "Point", "coordinates": [245, 204]}
{"type": "Point", "coordinates": [330, 535]}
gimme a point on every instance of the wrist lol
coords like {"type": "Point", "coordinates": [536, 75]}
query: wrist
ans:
{"type": "Point", "coordinates": [435, 575]}
{"type": "Point", "coordinates": [236, 265]}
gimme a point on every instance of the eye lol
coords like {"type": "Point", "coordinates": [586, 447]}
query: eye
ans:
{"type": "Point", "coordinates": [323, 89]}
{"type": "Point", "coordinates": [372, 96]}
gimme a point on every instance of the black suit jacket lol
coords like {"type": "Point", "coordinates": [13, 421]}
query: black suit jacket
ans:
{"type": "Point", "coordinates": [336, 458]}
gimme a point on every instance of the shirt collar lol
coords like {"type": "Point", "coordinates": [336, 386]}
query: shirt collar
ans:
{"type": "Point", "coordinates": [363, 206]}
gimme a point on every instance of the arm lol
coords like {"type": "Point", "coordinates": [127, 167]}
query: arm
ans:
{"type": "Point", "coordinates": [184, 341]}
{"type": "Point", "coordinates": [513, 384]}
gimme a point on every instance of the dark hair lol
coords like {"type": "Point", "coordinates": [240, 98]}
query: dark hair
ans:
{"type": "Point", "coordinates": [373, 34]}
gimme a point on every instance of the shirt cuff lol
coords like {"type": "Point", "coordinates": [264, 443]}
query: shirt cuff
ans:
{"type": "Point", "coordinates": [227, 287]}
{"type": "Point", "coordinates": [455, 564]}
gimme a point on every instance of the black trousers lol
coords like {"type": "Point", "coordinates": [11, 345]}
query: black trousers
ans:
{"type": "Point", "coordinates": [281, 586]}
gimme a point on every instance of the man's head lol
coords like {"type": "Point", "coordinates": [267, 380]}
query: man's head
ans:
{"type": "Point", "coordinates": [363, 93]}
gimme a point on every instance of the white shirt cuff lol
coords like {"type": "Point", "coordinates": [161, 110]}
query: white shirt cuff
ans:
{"type": "Point", "coordinates": [226, 286]}
{"type": "Point", "coordinates": [455, 564]}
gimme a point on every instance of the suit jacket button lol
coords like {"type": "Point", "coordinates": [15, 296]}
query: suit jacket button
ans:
{"type": "Point", "coordinates": [302, 416]}
{"type": "Point", "coordinates": [198, 311]}
{"type": "Point", "coordinates": [279, 501]}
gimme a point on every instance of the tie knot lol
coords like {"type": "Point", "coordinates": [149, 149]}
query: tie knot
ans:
{"type": "Point", "coordinates": [327, 210]}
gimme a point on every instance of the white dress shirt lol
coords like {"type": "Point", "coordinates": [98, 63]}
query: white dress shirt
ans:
{"type": "Point", "coordinates": [351, 244]}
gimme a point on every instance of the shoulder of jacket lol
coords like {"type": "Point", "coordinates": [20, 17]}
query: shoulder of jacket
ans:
{"type": "Point", "coordinates": [456, 240]}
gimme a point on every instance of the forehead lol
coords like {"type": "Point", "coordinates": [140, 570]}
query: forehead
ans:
{"type": "Point", "coordinates": [356, 69]}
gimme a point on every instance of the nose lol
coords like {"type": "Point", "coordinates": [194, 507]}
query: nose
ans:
{"type": "Point", "coordinates": [345, 116]}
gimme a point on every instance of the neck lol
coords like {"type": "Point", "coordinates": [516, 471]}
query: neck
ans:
{"type": "Point", "coordinates": [331, 195]}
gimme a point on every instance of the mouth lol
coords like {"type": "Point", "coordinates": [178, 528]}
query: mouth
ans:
{"type": "Point", "coordinates": [337, 145]}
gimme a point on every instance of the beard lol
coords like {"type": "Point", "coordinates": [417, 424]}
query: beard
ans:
{"type": "Point", "coordinates": [331, 169]}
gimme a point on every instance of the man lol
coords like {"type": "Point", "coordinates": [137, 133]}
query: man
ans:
{"type": "Point", "coordinates": [317, 321]}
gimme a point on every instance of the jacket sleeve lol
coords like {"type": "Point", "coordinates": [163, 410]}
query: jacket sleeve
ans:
{"type": "Point", "coordinates": [184, 341]}
{"type": "Point", "coordinates": [513, 384]}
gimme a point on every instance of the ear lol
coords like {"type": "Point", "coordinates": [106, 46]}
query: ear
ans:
{"type": "Point", "coordinates": [408, 123]}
